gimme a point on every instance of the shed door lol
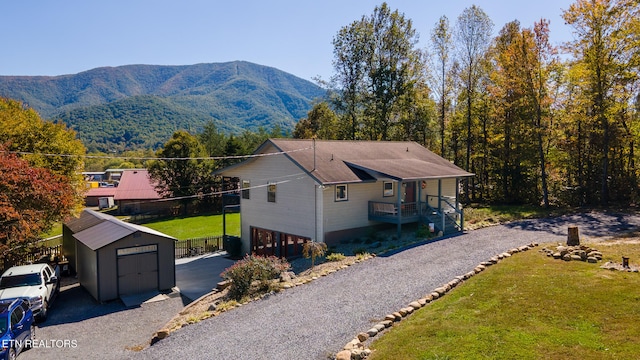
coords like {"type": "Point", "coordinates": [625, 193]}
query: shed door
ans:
{"type": "Point", "coordinates": [137, 273]}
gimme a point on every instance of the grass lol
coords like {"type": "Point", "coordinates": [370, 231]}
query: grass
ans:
{"type": "Point", "coordinates": [196, 226]}
{"type": "Point", "coordinates": [481, 216]}
{"type": "Point", "coordinates": [529, 307]}
{"type": "Point", "coordinates": [187, 227]}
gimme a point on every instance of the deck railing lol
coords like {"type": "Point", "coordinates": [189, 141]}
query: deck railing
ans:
{"type": "Point", "coordinates": [416, 212]}
{"type": "Point", "coordinates": [198, 246]}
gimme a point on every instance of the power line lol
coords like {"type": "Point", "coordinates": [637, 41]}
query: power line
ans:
{"type": "Point", "coordinates": [226, 191]}
{"type": "Point", "coordinates": [157, 158]}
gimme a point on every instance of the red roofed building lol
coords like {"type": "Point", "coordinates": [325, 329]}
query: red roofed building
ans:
{"type": "Point", "coordinates": [93, 195]}
{"type": "Point", "coordinates": [135, 194]}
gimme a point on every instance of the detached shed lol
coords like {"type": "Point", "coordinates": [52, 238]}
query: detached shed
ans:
{"type": "Point", "coordinates": [115, 258]}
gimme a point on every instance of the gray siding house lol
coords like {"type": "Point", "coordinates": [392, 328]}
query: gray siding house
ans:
{"type": "Point", "coordinates": [297, 190]}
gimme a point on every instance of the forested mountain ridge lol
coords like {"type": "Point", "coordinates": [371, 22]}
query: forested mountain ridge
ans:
{"type": "Point", "coordinates": [139, 106]}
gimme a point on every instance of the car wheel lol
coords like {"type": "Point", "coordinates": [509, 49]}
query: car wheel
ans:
{"type": "Point", "coordinates": [12, 354]}
{"type": "Point", "coordinates": [44, 312]}
{"type": "Point", "coordinates": [32, 337]}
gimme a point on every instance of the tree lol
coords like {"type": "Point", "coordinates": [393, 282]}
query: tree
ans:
{"type": "Point", "coordinates": [182, 170]}
{"type": "Point", "coordinates": [350, 54]}
{"type": "Point", "coordinates": [606, 64]}
{"type": "Point", "coordinates": [43, 144]}
{"type": "Point", "coordinates": [321, 122]}
{"type": "Point", "coordinates": [538, 61]}
{"type": "Point", "coordinates": [212, 140]}
{"type": "Point", "coordinates": [313, 249]}
{"type": "Point", "coordinates": [441, 44]}
{"type": "Point", "coordinates": [473, 33]}
{"type": "Point", "coordinates": [378, 68]}
{"type": "Point", "coordinates": [32, 199]}
{"type": "Point", "coordinates": [511, 134]}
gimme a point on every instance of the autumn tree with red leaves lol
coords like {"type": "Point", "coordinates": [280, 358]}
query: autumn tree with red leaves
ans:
{"type": "Point", "coordinates": [40, 177]}
{"type": "Point", "coordinates": [31, 200]}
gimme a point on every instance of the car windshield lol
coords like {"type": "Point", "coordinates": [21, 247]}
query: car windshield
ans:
{"type": "Point", "coordinates": [20, 280]}
{"type": "Point", "coordinates": [3, 325]}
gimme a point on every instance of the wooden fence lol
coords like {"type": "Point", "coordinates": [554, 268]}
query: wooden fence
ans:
{"type": "Point", "coordinates": [199, 246]}
{"type": "Point", "coordinates": [48, 252]}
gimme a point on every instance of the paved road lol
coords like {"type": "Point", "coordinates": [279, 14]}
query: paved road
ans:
{"type": "Point", "coordinates": [315, 320]}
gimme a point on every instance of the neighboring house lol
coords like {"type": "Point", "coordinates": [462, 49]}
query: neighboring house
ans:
{"type": "Point", "coordinates": [93, 195]}
{"type": "Point", "coordinates": [332, 190]}
{"type": "Point", "coordinates": [135, 194]}
{"type": "Point", "coordinates": [114, 258]}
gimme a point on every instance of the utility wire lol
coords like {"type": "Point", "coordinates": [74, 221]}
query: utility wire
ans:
{"type": "Point", "coordinates": [225, 191]}
{"type": "Point", "coordinates": [159, 158]}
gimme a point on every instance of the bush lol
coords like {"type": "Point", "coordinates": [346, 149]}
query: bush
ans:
{"type": "Point", "coordinates": [253, 268]}
{"type": "Point", "coordinates": [423, 232]}
{"type": "Point", "coordinates": [360, 251]}
{"type": "Point", "coordinates": [313, 249]}
{"type": "Point", "coordinates": [335, 257]}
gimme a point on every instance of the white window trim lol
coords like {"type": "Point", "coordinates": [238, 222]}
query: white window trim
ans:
{"type": "Point", "coordinates": [247, 189]}
{"type": "Point", "coordinates": [384, 189]}
{"type": "Point", "coordinates": [275, 191]}
{"type": "Point", "coordinates": [346, 193]}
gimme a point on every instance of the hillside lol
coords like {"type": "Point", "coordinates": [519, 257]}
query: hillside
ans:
{"type": "Point", "coordinates": [139, 106]}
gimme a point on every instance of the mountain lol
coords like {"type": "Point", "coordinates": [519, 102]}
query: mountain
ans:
{"type": "Point", "coordinates": [140, 106]}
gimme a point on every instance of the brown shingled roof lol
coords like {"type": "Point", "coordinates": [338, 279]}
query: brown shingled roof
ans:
{"type": "Point", "coordinates": [333, 161]}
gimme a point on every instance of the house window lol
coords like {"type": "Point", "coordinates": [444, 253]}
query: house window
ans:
{"type": "Point", "coordinates": [246, 185]}
{"type": "Point", "coordinates": [341, 193]}
{"type": "Point", "coordinates": [387, 189]}
{"type": "Point", "coordinates": [271, 192]}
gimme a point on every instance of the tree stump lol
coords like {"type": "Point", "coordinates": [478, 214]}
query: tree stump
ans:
{"type": "Point", "coordinates": [573, 237]}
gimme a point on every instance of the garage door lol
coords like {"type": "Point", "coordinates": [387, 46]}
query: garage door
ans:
{"type": "Point", "coordinates": [137, 270]}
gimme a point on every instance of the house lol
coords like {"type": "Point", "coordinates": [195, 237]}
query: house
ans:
{"type": "Point", "coordinates": [93, 195]}
{"type": "Point", "coordinates": [295, 190]}
{"type": "Point", "coordinates": [113, 258]}
{"type": "Point", "coordinates": [135, 194]}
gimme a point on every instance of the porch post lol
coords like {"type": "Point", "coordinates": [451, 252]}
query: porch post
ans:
{"type": "Point", "coordinates": [440, 204]}
{"type": "Point", "coordinates": [419, 186]}
{"type": "Point", "coordinates": [458, 204]}
{"type": "Point", "coordinates": [399, 206]}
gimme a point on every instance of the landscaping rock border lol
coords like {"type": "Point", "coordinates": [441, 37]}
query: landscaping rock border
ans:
{"type": "Point", "coordinates": [357, 349]}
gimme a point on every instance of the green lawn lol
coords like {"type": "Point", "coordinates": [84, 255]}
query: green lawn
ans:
{"type": "Point", "coordinates": [528, 306]}
{"type": "Point", "coordinates": [480, 216]}
{"type": "Point", "coordinates": [196, 226]}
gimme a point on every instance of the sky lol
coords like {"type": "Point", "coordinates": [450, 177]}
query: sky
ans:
{"type": "Point", "coordinates": [45, 37]}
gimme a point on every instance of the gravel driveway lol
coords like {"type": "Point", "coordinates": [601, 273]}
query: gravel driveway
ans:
{"type": "Point", "coordinates": [314, 321]}
{"type": "Point", "coordinates": [80, 328]}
